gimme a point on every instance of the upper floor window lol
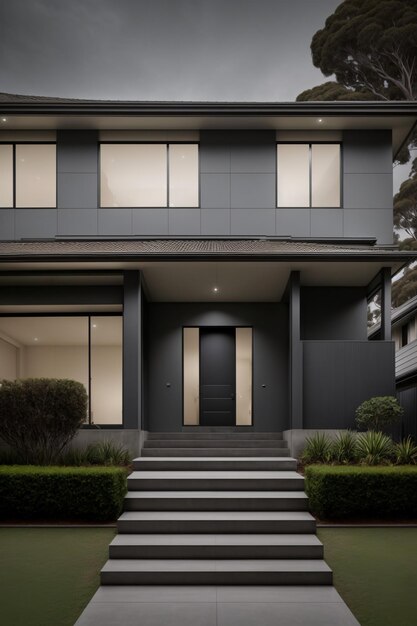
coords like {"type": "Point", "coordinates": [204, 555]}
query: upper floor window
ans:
{"type": "Point", "coordinates": [27, 175]}
{"type": "Point", "coordinates": [149, 175]}
{"type": "Point", "coordinates": [308, 175]}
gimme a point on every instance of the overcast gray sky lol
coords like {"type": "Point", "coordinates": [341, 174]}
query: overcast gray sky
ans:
{"type": "Point", "coordinates": [160, 49]}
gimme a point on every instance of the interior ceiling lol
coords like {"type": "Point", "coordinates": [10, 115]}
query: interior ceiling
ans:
{"type": "Point", "coordinates": [61, 331]}
{"type": "Point", "coordinates": [243, 281]}
{"type": "Point", "coordinates": [401, 124]}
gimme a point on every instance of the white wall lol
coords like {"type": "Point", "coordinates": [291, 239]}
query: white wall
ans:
{"type": "Point", "coordinates": [8, 360]}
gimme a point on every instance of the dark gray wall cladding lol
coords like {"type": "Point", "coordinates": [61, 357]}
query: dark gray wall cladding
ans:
{"type": "Point", "coordinates": [367, 184]}
{"type": "Point", "coordinates": [77, 171]}
{"type": "Point", "coordinates": [6, 224]}
{"type": "Point", "coordinates": [408, 400]}
{"type": "Point", "coordinates": [333, 313]}
{"type": "Point", "coordinates": [237, 175]}
{"type": "Point", "coordinates": [93, 294]}
{"type": "Point", "coordinates": [132, 350]}
{"type": "Point", "coordinates": [35, 223]}
{"type": "Point", "coordinates": [270, 328]}
{"type": "Point", "coordinates": [338, 376]}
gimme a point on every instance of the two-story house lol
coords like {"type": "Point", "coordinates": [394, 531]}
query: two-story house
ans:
{"type": "Point", "coordinates": [200, 264]}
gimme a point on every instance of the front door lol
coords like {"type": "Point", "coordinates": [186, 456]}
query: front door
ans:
{"type": "Point", "coordinates": [217, 376]}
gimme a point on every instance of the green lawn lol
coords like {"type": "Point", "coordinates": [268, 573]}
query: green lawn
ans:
{"type": "Point", "coordinates": [375, 572]}
{"type": "Point", "coordinates": [48, 575]}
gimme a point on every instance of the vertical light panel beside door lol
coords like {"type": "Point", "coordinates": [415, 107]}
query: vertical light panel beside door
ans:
{"type": "Point", "coordinates": [191, 350]}
{"type": "Point", "coordinates": [243, 376]}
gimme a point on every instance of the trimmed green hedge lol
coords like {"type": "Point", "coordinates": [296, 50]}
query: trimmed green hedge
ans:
{"type": "Point", "coordinates": [339, 492]}
{"type": "Point", "coordinates": [61, 493]}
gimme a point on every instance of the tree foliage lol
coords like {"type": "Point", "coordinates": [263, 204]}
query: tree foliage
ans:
{"type": "Point", "coordinates": [378, 412]}
{"type": "Point", "coordinates": [371, 45]}
{"type": "Point", "coordinates": [405, 208]}
{"type": "Point", "coordinates": [333, 91]}
{"type": "Point", "coordinates": [405, 288]}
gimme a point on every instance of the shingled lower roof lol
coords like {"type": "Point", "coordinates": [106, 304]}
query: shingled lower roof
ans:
{"type": "Point", "coordinates": [192, 248]}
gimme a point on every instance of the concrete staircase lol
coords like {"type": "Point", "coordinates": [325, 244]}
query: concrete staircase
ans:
{"type": "Point", "coordinates": [216, 508]}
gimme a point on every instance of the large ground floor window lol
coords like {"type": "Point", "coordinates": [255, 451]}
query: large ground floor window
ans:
{"type": "Point", "coordinates": [88, 349]}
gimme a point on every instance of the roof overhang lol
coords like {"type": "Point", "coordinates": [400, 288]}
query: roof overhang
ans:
{"type": "Point", "coordinates": [48, 113]}
{"type": "Point", "coordinates": [188, 270]}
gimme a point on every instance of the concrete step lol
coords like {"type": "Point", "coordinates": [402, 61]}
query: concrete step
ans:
{"type": "Point", "coordinates": [213, 443]}
{"type": "Point", "coordinates": [215, 464]}
{"type": "Point", "coordinates": [220, 434]}
{"type": "Point", "coordinates": [216, 501]}
{"type": "Point", "coordinates": [215, 481]}
{"type": "Point", "coordinates": [209, 546]}
{"type": "Point", "coordinates": [213, 452]}
{"type": "Point", "coordinates": [240, 522]}
{"type": "Point", "coordinates": [216, 572]}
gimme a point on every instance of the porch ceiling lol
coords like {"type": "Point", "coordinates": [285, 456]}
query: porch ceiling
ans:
{"type": "Point", "coordinates": [244, 281]}
{"type": "Point", "coordinates": [194, 281]}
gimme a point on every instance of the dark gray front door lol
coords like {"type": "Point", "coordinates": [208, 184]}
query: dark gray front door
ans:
{"type": "Point", "coordinates": [217, 376]}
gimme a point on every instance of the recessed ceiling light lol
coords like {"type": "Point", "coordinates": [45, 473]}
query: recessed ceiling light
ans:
{"type": "Point", "coordinates": [35, 339]}
{"type": "Point", "coordinates": [320, 120]}
{"type": "Point", "coordinates": [215, 289]}
{"type": "Point", "coordinates": [94, 325]}
{"type": "Point", "coordinates": [4, 119]}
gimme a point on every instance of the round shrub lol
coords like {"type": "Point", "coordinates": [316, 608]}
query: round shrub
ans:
{"type": "Point", "coordinates": [40, 416]}
{"type": "Point", "coordinates": [378, 412]}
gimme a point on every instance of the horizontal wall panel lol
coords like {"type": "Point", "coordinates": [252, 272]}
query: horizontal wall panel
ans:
{"type": "Point", "coordinates": [293, 222]}
{"type": "Point", "coordinates": [115, 221]}
{"type": "Point", "coordinates": [367, 191]}
{"type": "Point", "coordinates": [376, 223]}
{"type": "Point", "coordinates": [215, 191]}
{"type": "Point", "coordinates": [6, 224]}
{"type": "Point", "coordinates": [36, 223]}
{"type": "Point", "coordinates": [254, 158]}
{"type": "Point", "coordinates": [77, 191]}
{"type": "Point", "coordinates": [61, 295]}
{"type": "Point", "coordinates": [215, 222]}
{"type": "Point", "coordinates": [214, 158]}
{"type": "Point", "coordinates": [149, 221]}
{"type": "Point", "coordinates": [367, 151]}
{"type": "Point", "coordinates": [184, 222]}
{"type": "Point", "coordinates": [252, 191]}
{"type": "Point", "coordinates": [252, 221]}
{"type": "Point", "coordinates": [76, 221]}
{"type": "Point", "coordinates": [326, 222]}
{"type": "Point", "coordinates": [28, 135]}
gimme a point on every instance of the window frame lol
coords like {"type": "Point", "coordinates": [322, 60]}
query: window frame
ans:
{"type": "Point", "coordinates": [310, 144]}
{"type": "Point", "coordinates": [36, 143]}
{"type": "Point", "coordinates": [87, 315]}
{"type": "Point", "coordinates": [150, 142]}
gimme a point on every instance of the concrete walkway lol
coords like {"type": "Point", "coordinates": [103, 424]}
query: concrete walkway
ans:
{"type": "Point", "coordinates": [217, 606]}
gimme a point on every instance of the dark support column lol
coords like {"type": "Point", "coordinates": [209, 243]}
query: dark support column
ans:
{"type": "Point", "coordinates": [386, 304]}
{"type": "Point", "coordinates": [132, 350]}
{"type": "Point", "coordinates": [296, 353]}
